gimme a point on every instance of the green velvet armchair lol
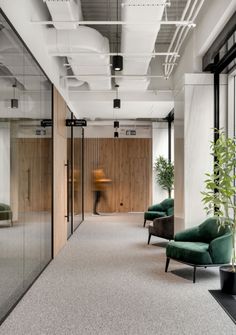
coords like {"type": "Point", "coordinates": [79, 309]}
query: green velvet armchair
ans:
{"type": "Point", "coordinates": [5, 213]}
{"type": "Point", "coordinates": [203, 246]}
{"type": "Point", "coordinates": [165, 208]}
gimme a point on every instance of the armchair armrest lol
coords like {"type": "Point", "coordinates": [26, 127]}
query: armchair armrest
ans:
{"type": "Point", "coordinates": [6, 215]}
{"type": "Point", "coordinates": [220, 249]}
{"type": "Point", "coordinates": [188, 235]}
{"type": "Point", "coordinates": [155, 208]}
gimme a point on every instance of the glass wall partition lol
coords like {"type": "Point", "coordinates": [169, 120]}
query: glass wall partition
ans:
{"type": "Point", "coordinates": [25, 169]}
{"type": "Point", "coordinates": [70, 186]}
{"type": "Point", "coordinates": [78, 176]}
{"type": "Point", "coordinates": [74, 176]}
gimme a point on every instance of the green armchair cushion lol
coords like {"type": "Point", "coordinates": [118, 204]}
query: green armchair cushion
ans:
{"type": "Point", "coordinates": [189, 252]}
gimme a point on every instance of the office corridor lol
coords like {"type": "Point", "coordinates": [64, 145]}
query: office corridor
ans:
{"type": "Point", "coordinates": [107, 281]}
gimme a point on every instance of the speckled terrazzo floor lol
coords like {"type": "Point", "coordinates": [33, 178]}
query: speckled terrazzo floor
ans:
{"type": "Point", "coordinates": [107, 281]}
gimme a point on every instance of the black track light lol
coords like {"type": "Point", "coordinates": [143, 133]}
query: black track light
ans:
{"type": "Point", "coordinates": [116, 134]}
{"type": "Point", "coordinates": [116, 103]}
{"type": "Point", "coordinates": [14, 101]}
{"type": "Point", "coordinates": [117, 63]}
{"type": "Point", "coordinates": [116, 124]}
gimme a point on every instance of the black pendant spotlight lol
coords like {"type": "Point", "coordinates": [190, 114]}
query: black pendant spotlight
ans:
{"type": "Point", "coordinates": [116, 124]}
{"type": "Point", "coordinates": [14, 101]}
{"type": "Point", "coordinates": [117, 63]}
{"type": "Point", "coordinates": [116, 102]}
{"type": "Point", "coordinates": [116, 134]}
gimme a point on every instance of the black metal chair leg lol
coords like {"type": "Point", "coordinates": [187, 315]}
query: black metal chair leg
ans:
{"type": "Point", "coordinates": [167, 264]}
{"type": "Point", "coordinates": [149, 238]}
{"type": "Point", "coordinates": [194, 274]}
{"type": "Point", "coordinates": [144, 222]}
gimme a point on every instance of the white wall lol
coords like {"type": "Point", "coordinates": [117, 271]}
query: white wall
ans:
{"type": "Point", "coordinates": [198, 124]}
{"type": "Point", "coordinates": [179, 158]}
{"type": "Point", "coordinates": [194, 113]}
{"type": "Point", "coordinates": [5, 163]}
{"type": "Point", "coordinates": [194, 132]}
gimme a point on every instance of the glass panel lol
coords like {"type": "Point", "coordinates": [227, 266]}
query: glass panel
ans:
{"type": "Point", "coordinates": [78, 185]}
{"type": "Point", "coordinates": [69, 177]}
{"type": "Point", "coordinates": [25, 169]}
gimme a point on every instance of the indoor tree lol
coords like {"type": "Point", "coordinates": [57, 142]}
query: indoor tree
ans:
{"type": "Point", "coordinates": [164, 170]}
{"type": "Point", "coordinates": [220, 189]}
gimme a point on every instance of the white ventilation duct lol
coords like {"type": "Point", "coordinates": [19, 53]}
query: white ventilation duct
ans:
{"type": "Point", "coordinates": [67, 39]}
{"type": "Point", "coordinates": [139, 39]}
{"type": "Point", "coordinates": [64, 10]}
{"type": "Point", "coordinates": [90, 42]}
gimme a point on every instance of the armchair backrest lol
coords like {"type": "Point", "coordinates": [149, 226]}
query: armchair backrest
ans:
{"type": "Point", "coordinates": [4, 207]}
{"type": "Point", "coordinates": [209, 230]}
{"type": "Point", "coordinates": [167, 203]}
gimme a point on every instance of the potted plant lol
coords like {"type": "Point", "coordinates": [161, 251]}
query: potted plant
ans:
{"type": "Point", "coordinates": [220, 199]}
{"type": "Point", "coordinates": [164, 174]}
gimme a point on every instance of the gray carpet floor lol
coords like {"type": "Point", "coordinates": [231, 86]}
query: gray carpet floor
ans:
{"type": "Point", "coordinates": [107, 281]}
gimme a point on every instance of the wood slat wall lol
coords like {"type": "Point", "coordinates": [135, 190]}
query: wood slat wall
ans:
{"type": "Point", "coordinates": [128, 163]}
{"type": "Point", "coordinates": [35, 174]}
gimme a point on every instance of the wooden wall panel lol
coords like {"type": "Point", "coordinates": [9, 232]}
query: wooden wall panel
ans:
{"type": "Point", "coordinates": [35, 173]}
{"type": "Point", "coordinates": [60, 158]}
{"type": "Point", "coordinates": [128, 163]}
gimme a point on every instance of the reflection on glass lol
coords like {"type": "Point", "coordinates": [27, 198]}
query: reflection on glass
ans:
{"type": "Point", "coordinates": [25, 169]}
{"type": "Point", "coordinates": [78, 185]}
{"type": "Point", "coordinates": [69, 178]}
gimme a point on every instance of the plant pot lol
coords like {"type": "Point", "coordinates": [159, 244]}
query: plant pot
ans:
{"type": "Point", "coordinates": [228, 280]}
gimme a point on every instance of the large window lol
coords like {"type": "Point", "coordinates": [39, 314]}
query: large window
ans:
{"type": "Point", "coordinates": [25, 169]}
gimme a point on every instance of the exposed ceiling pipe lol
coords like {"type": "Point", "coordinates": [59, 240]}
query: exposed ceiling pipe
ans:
{"type": "Point", "coordinates": [181, 34]}
{"type": "Point", "coordinates": [186, 32]}
{"type": "Point", "coordinates": [64, 10]}
{"type": "Point", "coordinates": [175, 34]}
{"type": "Point", "coordinates": [172, 59]}
{"type": "Point", "coordinates": [93, 44]}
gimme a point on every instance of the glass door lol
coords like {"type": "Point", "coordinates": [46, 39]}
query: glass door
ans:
{"type": "Point", "coordinates": [74, 171]}
{"type": "Point", "coordinates": [78, 176]}
{"type": "Point", "coordinates": [69, 177]}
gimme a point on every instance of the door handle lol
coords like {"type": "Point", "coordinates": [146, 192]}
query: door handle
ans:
{"type": "Point", "coordinates": [29, 186]}
{"type": "Point", "coordinates": [67, 165]}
